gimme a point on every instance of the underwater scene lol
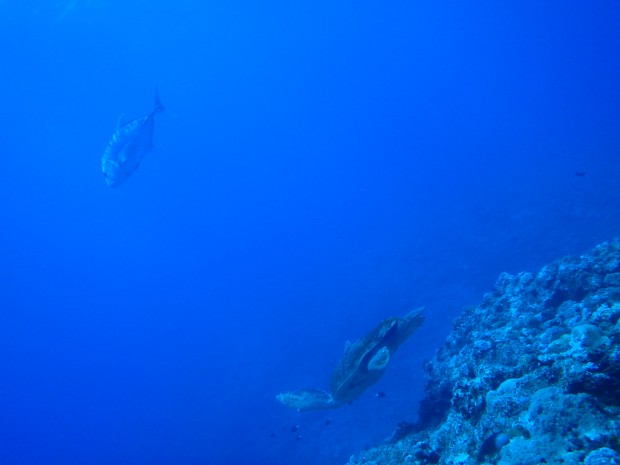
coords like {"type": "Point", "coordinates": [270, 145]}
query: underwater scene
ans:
{"type": "Point", "coordinates": [311, 233]}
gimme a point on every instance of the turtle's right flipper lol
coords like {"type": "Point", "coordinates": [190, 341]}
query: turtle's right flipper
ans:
{"type": "Point", "coordinates": [308, 399]}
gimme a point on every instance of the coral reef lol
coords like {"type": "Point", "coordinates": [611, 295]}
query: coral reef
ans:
{"type": "Point", "coordinates": [530, 376]}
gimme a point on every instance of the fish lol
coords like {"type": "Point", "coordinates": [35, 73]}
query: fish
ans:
{"type": "Point", "coordinates": [129, 144]}
{"type": "Point", "coordinates": [493, 444]}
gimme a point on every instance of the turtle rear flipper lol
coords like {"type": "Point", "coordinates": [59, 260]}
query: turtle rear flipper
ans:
{"type": "Point", "coordinates": [308, 399]}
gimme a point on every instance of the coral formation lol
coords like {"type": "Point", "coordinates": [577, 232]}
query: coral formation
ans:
{"type": "Point", "coordinates": [529, 376]}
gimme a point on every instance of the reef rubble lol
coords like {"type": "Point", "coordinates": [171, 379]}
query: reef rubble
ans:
{"type": "Point", "coordinates": [529, 376]}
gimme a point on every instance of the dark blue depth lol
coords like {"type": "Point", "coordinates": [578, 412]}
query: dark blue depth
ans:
{"type": "Point", "coordinates": [319, 167]}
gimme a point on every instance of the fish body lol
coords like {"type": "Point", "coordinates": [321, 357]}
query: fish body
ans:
{"type": "Point", "coordinates": [129, 144]}
{"type": "Point", "coordinates": [362, 364]}
{"type": "Point", "coordinates": [493, 444]}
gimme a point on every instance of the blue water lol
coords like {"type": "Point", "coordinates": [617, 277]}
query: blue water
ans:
{"type": "Point", "coordinates": [321, 166]}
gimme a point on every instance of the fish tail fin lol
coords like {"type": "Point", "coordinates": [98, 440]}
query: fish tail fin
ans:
{"type": "Point", "coordinates": [158, 106]}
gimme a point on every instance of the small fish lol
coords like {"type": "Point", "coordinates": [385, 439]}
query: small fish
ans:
{"type": "Point", "coordinates": [493, 444]}
{"type": "Point", "coordinates": [380, 395]}
{"type": "Point", "coordinates": [129, 144]}
{"type": "Point", "coordinates": [580, 174]}
{"type": "Point", "coordinates": [328, 422]}
{"type": "Point", "coordinates": [294, 428]}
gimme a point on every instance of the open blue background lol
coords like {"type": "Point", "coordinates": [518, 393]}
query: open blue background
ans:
{"type": "Point", "coordinates": [322, 165]}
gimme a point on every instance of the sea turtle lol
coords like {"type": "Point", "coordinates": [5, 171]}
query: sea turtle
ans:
{"type": "Point", "coordinates": [362, 364]}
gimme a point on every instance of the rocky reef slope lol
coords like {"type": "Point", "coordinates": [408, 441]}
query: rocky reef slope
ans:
{"type": "Point", "coordinates": [530, 376]}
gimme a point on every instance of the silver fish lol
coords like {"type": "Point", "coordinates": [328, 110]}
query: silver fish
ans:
{"type": "Point", "coordinates": [129, 144]}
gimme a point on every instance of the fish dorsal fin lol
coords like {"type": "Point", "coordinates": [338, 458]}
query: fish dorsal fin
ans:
{"type": "Point", "coordinates": [347, 346]}
{"type": "Point", "coordinates": [121, 121]}
{"type": "Point", "coordinates": [157, 106]}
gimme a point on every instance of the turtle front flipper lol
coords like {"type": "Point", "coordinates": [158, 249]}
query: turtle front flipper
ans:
{"type": "Point", "coordinates": [308, 399]}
